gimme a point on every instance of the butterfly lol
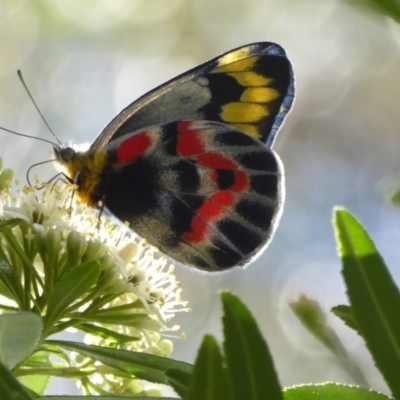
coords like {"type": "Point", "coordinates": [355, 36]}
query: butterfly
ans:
{"type": "Point", "coordinates": [189, 165]}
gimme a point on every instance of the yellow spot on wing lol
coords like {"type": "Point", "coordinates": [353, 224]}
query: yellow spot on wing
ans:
{"type": "Point", "coordinates": [243, 112]}
{"type": "Point", "coordinates": [237, 66]}
{"type": "Point", "coordinates": [259, 95]}
{"type": "Point", "coordinates": [250, 79]}
{"type": "Point", "coordinates": [251, 130]}
{"type": "Point", "coordinates": [234, 56]}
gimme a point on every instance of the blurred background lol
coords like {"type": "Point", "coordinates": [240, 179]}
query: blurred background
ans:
{"type": "Point", "coordinates": [84, 61]}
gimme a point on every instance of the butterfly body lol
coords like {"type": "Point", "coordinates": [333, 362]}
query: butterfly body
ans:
{"type": "Point", "coordinates": [187, 165]}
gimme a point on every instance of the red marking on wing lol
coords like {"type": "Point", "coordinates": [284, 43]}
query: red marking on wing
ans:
{"type": "Point", "coordinates": [198, 231]}
{"type": "Point", "coordinates": [216, 160]}
{"type": "Point", "coordinates": [190, 143]}
{"type": "Point", "coordinates": [212, 208]}
{"type": "Point", "coordinates": [241, 182]}
{"type": "Point", "coordinates": [223, 197]}
{"type": "Point", "coordinates": [184, 126]}
{"type": "Point", "coordinates": [132, 148]}
{"type": "Point", "coordinates": [209, 210]}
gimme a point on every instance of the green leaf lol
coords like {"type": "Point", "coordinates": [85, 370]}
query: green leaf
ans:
{"type": "Point", "coordinates": [388, 8]}
{"type": "Point", "coordinates": [19, 336]}
{"type": "Point", "coordinates": [374, 297]}
{"type": "Point", "coordinates": [144, 366]}
{"type": "Point", "coordinates": [105, 333]}
{"type": "Point", "coordinates": [13, 283]}
{"type": "Point", "coordinates": [70, 288]}
{"type": "Point", "coordinates": [19, 251]}
{"type": "Point", "coordinates": [346, 315]}
{"type": "Point", "coordinates": [117, 319]}
{"type": "Point", "coordinates": [35, 383]}
{"type": "Point", "coordinates": [45, 349]}
{"type": "Point", "coordinates": [9, 223]}
{"type": "Point", "coordinates": [331, 391]}
{"type": "Point", "coordinates": [10, 388]}
{"type": "Point", "coordinates": [11, 288]}
{"type": "Point", "coordinates": [209, 380]}
{"type": "Point", "coordinates": [102, 398]}
{"type": "Point", "coordinates": [38, 359]}
{"type": "Point", "coordinates": [127, 308]}
{"type": "Point", "coordinates": [249, 363]}
{"type": "Point", "coordinates": [179, 381]}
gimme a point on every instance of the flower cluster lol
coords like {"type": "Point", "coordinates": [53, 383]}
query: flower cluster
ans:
{"type": "Point", "coordinates": [78, 270]}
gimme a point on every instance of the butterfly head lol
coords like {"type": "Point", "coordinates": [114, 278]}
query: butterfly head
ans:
{"type": "Point", "coordinates": [64, 154]}
{"type": "Point", "coordinates": [84, 168]}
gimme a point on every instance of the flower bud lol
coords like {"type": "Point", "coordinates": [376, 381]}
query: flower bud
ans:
{"type": "Point", "coordinates": [128, 252]}
{"type": "Point", "coordinates": [53, 241]}
{"type": "Point", "coordinates": [6, 177]}
{"type": "Point", "coordinates": [95, 249]}
{"type": "Point", "coordinates": [76, 247]}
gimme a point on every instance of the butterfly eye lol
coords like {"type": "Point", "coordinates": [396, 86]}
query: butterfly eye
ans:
{"type": "Point", "coordinates": [64, 154]}
{"type": "Point", "coordinates": [67, 154]}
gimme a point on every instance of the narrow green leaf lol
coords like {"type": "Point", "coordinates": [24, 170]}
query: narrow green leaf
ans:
{"type": "Point", "coordinates": [179, 381]}
{"type": "Point", "coordinates": [9, 223]}
{"type": "Point", "coordinates": [102, 398]}
{"type": "Point", "coordinates": [331, 391]}
{"type": "Point", "coordinates": [69, 289]}
{"type": "Point", "coordinates": [144, 366]}
{"type": "Point", "coordinates": [249, 363]}
{"type": "Point", "coordinates": [10, 388]}
{"type": "Point", "coordinates": [117, 319]}
{"type": "Point", "coordinates": [18, 249]}
{"type": "Point", "coordinates": [19, 335]}
{"type": "Point", "coordinates": [346, 315]}
{"type": "Point", "coordinates": [209, 379]}
{"type": "Point", "coordinates": [105, 333]}
{"type": "Point", "coordinates": [35, 383]}
{"type": "Point", "coordinates": [38, 359]}
{"type": "Point", "coordinates": [122, 308]}
{"type": "Point", "coordinates": [20, 296]}
{"type": "Point", "coordinates": [388, 8]}
{"type": "Point", "coordinates": [12, 288]}
{"type": "Point", "coordinates": [45, 349]}
{"type": "Point", "coordinates": [374, 297]}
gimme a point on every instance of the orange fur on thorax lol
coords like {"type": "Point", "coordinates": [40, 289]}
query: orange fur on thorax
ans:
{"type": "Point", "coordinates": [89, 165]}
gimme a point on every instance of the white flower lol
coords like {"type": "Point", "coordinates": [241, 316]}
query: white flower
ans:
{"type": "Point", "coordinates": [135, 296]}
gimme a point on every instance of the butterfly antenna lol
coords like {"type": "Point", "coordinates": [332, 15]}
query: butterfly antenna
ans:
{"type": "Point", "coordinates": [28, 136]}
{"type": "Point", "coordinates": [34, 103]}
{"type": "Point", "coordinates": [35, 165]}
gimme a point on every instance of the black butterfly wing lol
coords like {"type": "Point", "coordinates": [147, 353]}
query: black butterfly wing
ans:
{"type": "Point", "coordinates": [250, 88]}
{"type": "Point", "coordinates": [204, 193]}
